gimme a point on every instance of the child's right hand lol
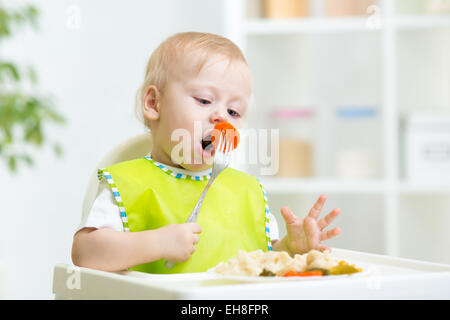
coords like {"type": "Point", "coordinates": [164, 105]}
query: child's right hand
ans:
{"type": "Point", "coordinates": [178, 241]}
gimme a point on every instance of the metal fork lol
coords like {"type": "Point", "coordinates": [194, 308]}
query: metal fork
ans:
{"type": "Point", "coordinates": [222, 157]}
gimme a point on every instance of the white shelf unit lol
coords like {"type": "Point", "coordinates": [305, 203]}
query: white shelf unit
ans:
{"type": "Point", "coordinates": [260, 26]}
{"type": "Point", "coordinates": [389, 186]}
{"type": "Point", "coordinates": [274, 26]}
{"type": "Point", "coordinates": [375, 187]}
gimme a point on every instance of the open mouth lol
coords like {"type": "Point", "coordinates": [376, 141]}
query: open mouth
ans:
{"type": "Point", "coordinates": [207, 144]}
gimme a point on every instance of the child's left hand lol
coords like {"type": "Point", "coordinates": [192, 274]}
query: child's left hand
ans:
{"type": "Point", "coordinates": [308, 233]}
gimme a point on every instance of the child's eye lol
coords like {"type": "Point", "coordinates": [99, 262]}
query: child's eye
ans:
{"type": "Point", "coordinates": [233, 113]}
{"type": "Point", "coordinates": [203, 101]}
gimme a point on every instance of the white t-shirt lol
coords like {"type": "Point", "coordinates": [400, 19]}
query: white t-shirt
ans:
{"type": "Point", "coordinates": [105, 212]}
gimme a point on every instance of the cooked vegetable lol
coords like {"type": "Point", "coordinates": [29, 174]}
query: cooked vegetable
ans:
{"type": "Point", "coordinates": [294, 273]}
{"type": "Point", "coordinates": [267, 273]}
{"type": "Point", "coordinates": [344, 268]}
{"type": "Point", "coordinates": [325, 272]}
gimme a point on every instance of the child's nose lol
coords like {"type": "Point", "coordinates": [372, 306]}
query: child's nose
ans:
{"type": "Point", "coordinates": [218, 116]}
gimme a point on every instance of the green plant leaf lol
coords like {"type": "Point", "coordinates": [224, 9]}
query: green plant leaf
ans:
{"type": "Point", "coordinates": [8, 70]}
{"type": "Point", "coordinates": [4, 23]}
{"type": "Point", "coordinates": [32, 75]}
{"type": "Point", "coordinates": [58, 149]}
{"type": "Point", "coordinates": [27, 159]}
{"type": "Point", "coordinates": [10, 18]}
{"type": "Point", "coordinates": [23, 115]}
{"type": "Point", "coordinates": [12, 163]}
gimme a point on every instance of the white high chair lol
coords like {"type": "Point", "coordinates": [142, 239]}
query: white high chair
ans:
{"type": "Point", "coordinates": [390, 277]}
{"type": "Point", "coordinates": [133, 148]}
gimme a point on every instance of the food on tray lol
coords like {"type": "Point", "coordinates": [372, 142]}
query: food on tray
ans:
{"type": "Point", "coordinates": [312, 273]}
{"type": "Point", "coordinates": [344, 268]}
{"type": "Point", "coordinates": [281, 264]}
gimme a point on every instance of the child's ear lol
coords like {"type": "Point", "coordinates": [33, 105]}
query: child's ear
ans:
{"type": "Point", "coordinates": [150, 105]}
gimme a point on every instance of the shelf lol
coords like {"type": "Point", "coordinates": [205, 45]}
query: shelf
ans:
{"type": "Point", "coordinates": [335, 186]}
{"type": "Point", "coordinates": [346, 24]}
{"type": "Point", "coordinates": [317, 186]}
{"type": "Point", "coordinates": [392, 37]}
{"type": "Point", "coordinates": [306, 25]}
{"type": "Point", "coordinates": [424, 21]}
{"type": "Point", "coordinates": [408, 188]}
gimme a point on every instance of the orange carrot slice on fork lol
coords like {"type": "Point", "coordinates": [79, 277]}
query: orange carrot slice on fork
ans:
{"type": "Point", "coordinates": [227, 130]}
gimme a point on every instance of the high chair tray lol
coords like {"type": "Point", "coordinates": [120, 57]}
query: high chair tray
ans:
{"type": "Point", "coordinates": [390, 278]}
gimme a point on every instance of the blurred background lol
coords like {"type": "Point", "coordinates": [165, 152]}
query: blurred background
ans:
{"type": "Point", "coordinates": [359, 90]}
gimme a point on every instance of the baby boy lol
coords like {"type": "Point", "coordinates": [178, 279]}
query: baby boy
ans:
{"type": "Point", "coordinates": [138, 221]}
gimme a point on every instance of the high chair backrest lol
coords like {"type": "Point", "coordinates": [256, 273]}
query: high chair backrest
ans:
{"type": "Point", "coordinates": [134, 148]}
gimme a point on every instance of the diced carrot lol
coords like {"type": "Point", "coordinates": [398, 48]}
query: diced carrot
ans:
{"type": "Point", "coordinates": [229, 132]}
{"type": "Point", "coordinates": [294, 273]}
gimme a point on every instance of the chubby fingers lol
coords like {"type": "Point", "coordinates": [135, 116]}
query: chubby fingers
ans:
{"type": "Point", "coordinates": [328, 219]}
{"type": "Point", "coordinates": [195, 240]}
{"type": "Point", "coordinates": [317, 208]}
{"type": "Point", "coordinates": [288, 215]}
{"type": "Point", "coordinates": [195, 227]}
{"type": "Point", "coordinates": [325, 235]}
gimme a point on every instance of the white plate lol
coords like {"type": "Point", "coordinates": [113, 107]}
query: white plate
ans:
{"type": "Point", "coordinates": [367, 270]}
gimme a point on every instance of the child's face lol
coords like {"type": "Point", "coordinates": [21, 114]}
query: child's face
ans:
{"type": "Point", "coordinates": [194, 102]}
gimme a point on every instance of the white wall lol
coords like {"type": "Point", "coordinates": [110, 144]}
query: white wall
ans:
{"type": "Point", "coordinates": [93, 73]}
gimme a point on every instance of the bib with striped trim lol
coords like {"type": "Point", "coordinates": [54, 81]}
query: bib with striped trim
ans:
{"type": "Point", "coordinates": [233, 217]}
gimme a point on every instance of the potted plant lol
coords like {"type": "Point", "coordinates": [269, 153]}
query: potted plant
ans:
{"type": "Point", "coordinates": [24, 111]}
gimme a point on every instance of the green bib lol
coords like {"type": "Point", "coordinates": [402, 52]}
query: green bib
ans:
{"type": "Point", "coordinates": [234, 214]}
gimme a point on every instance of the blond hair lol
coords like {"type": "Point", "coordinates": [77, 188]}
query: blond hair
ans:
{"type": "Point", "coordinates": [161, 65]}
